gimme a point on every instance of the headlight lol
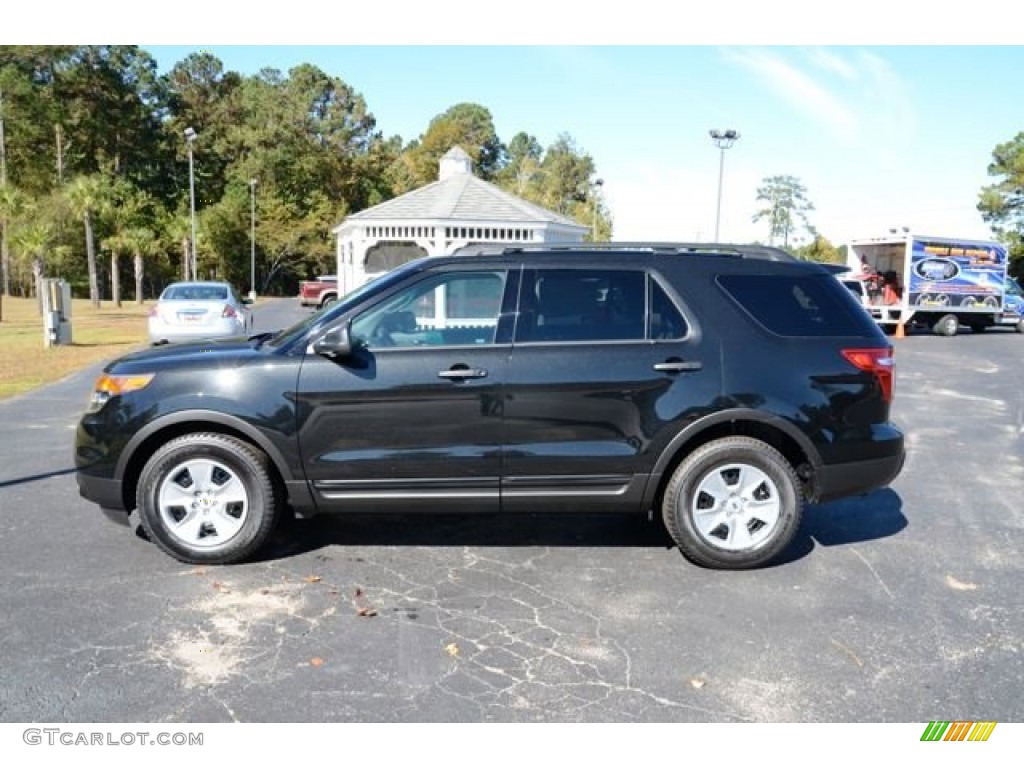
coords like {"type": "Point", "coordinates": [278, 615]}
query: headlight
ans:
{"type": "Point", "coordinates": [107, 386]}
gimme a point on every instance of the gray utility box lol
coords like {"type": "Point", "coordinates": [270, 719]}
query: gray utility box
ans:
{"type": "Point", "coordinates": [56, 312]}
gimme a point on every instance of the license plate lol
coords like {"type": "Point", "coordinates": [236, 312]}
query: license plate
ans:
{"type": "Point", "coordinates": [189, 318]}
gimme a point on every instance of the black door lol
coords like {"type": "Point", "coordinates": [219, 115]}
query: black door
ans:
{"type": "Point", "coordinates": [412, 420]}
{"type": "Point", "coordinates": [603, 371]}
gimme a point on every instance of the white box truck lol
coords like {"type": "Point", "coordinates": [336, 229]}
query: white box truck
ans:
{"type": "Point", "coordinates": [938, 282]}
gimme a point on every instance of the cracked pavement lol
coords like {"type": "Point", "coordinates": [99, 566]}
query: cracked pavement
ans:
{"type": "Point", "coordinates": [900, 606]}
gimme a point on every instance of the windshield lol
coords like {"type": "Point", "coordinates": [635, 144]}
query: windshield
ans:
{"type": "Point", "coordinates": [343, 305]}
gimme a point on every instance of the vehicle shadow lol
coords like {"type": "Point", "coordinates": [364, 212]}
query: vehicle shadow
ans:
{"type": "Point", "coordinates": [864, 518]}
{"type": "Point", "coordinates": [876, 515]}
{"type": "Point", "coordinates": [300, 536]}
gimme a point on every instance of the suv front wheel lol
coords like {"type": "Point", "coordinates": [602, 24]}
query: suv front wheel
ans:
{"type": "Point", "coordinates": [207, 498]}
{"type": "Point", "coordinates": [733, 503]}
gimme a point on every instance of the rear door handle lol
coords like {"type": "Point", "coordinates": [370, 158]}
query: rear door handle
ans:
{"type": "Point", "coordinates": [678, 366]}
{"type": "Point", "coordinates": [463, 373]}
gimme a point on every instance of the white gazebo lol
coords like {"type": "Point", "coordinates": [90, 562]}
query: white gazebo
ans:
{"type": "Point", "coordinates": [436, 220]}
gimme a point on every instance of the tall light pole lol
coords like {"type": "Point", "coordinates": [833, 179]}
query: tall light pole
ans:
{"type": "Point", "coordinates": [598, 183]}
{"type": "Point", "coordinates": [190, 137]}
{"type": "Point", "coordinates": [252, 238]}
{"type": "Point", "coordinates": [723, 140]}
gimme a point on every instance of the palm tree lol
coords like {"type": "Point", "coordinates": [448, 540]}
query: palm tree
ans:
{"type": "Point", "coordinates": [88, 196]}
{"type": "Point", "coordinates": [12, 205]}
{"type": "Point", "coordinates": [34, 241]}
{"type": "Point", "coordinates": [131, 210]}
{"type": "Point", "coordinates": [141, 241]}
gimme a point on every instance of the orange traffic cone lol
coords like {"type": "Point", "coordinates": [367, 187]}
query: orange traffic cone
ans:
{"type": "Point", "coordinates": [900, 333]}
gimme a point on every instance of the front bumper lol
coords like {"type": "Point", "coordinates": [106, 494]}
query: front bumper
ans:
{"type": "Point", "coordinates": [101, 490]}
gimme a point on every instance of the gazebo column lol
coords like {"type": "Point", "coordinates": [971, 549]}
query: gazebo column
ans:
{"type": "Point", "coordinates": [358, 266]}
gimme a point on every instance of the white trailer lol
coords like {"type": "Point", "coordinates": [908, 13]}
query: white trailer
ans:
{"type": "Point", "coordinates": [938, 282]}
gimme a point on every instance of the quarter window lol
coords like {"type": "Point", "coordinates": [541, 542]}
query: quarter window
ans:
{"type": "Point", "coordinates": [798, 305]}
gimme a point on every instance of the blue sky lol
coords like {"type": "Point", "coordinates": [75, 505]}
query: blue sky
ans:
{"type": "Point", "coordinates": [880, 136]}
{"type": "Point", "coordinates": [881, 130]}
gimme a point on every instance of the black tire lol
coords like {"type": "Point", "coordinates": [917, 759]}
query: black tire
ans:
{"type": "Point", "coordinates": [1019, 327]}
{"type": "Point", "coordinates": [328, 300]}
{"type": "Point", "coordinates": [947, 325]}
{"type": "Point", "coordinates": [710, 542]}
{"type": "Point", "coordinates": [227, 521]}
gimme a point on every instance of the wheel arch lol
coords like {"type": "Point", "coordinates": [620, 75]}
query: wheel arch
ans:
{"type": "Point", "coordinates": [145, 443]}
{"type": "Point", "coordinates": [775, 431]}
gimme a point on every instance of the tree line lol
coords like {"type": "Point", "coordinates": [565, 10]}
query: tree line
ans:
{"type": "Point", "coordinates": [94, 172]}
{"type": "Point", "coordinates": [94, 169]}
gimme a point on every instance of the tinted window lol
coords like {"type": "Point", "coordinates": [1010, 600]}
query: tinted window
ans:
{"type": "Point", "coordinates": [807, 305]}
{"type": "Point", "coordinates": [196, 293]}
{"type": "Point", "coordinates": [666, 319]}
{"type": "Point", "coordinates": [582, 305]}
{"type": "Point", "coordinates": [454, 308]}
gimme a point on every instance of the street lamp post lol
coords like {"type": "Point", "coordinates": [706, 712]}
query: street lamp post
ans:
{"type": "Point", "coordinates": [252, 238]}
{"type": "Point", "coordinates": [723, 140]}
{"type": "Point", "coordinates": [598, 183]}
{"type": "Point", "coordinates": [190, 137]}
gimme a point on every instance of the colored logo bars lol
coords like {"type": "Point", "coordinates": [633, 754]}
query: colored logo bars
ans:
{"type": "Point", "coordinates": [959, 730]}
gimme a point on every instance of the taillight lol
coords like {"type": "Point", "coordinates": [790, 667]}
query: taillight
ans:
{"type": "Point", "coordinates": [876, 361]}
{"type": "Point", "coordinates": [229, 311]}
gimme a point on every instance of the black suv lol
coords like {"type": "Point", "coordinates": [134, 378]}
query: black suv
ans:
{"type": "Point", "coordinates": [721, 386]}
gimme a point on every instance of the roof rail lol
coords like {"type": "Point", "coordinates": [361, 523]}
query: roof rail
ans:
{"type": "Point", "coordinates": [748, 251]}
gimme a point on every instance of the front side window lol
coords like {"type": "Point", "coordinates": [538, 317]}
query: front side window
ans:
{"type": "Point", "coordinates": [453, 308]}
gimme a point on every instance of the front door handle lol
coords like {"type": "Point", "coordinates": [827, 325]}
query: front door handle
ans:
{"type": "Point", "coordinates": [675, 365]}
{"type": "Point", "coordinates": [463, 373]}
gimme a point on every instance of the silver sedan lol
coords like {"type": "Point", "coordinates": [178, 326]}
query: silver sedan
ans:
{"type": "Point", "coordinates": [199, 310]}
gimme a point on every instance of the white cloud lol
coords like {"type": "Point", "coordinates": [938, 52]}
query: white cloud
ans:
{"type": "Point", "coordinates": [807, 96]}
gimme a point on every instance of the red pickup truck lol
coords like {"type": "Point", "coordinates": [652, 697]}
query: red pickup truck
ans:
{"type": "Point", "coordinates": [319, 292]}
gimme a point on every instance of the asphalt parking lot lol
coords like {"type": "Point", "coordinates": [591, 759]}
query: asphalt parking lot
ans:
{"type": "Point", "coordinates": [901, 606]}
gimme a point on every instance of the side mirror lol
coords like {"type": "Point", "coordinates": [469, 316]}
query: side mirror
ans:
{"type": "Point", "coordinates": [335, 344]}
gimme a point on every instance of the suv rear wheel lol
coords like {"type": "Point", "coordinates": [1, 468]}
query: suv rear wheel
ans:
{"type": "Point", "coordinates": [207, 498]}
{"type": "Point", "coordinates": [733, 503]}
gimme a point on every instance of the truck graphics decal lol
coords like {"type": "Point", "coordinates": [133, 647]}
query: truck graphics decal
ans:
{"type": "Point", "coordinates": [961, 275]}
{"type": "Point", "coordinates": [937, 270]}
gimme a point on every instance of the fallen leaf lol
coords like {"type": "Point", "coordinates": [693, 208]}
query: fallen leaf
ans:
{"type": "Point", "coordinates": [962, 586]}
{"type": "Point", "coordinates": [697, 683]}
{"type": "Point", "coordinates": [367, 611]}
{"type": "Point", "coordinates": [220, 586]}
{"type": "Point", "coordinates": [452, 649]}
{"type": "Point", "coordinates": [200, 571]}
{"type": "Point", "coordinates": [359, 592]}
{"type": "Point", "coordinates": [316, 661]}
{"type": "Point", "coordinates": [312, 579]}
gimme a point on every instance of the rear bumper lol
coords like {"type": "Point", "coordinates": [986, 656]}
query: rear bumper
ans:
{"type": "Point", "coordinates": [225, 328]}
{"type": "Point", "coordinates": [855, 478]}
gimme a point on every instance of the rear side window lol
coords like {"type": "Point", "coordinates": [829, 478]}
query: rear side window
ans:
{"type": "Point", "coordinates": [595, 305]}
{"type": "Point", "coordinates": [798, 305]}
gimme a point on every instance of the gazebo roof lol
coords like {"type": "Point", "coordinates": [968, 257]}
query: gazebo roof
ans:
{"type": "Point", "coordinates": [461, 196]}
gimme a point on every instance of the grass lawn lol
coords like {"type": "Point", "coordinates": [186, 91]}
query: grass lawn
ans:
{"type": "Point", "coordinates": [97, 335]}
